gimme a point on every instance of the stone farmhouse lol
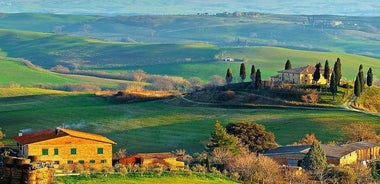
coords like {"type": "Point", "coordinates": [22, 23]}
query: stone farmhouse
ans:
{"type": "Point", "coordinates": [65, 146]}
{"type": "Point", "coordinates": [359, 152]}
{"type": "Point", "coordinates": [302, 75]}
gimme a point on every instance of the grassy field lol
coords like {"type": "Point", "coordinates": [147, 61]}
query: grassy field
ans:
{"type": "Point", "coordinates": [131, 179]}
{"type": "Point", "coordinates": [370, 99]}
{"type": "Point", "coordinates": [161, 126]}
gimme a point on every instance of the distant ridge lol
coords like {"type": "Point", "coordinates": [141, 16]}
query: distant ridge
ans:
{"type": "Point", "coordinates": [160, 7]}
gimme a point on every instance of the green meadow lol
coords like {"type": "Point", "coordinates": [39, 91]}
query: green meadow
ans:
{"type": "Point", "coordinates": [160, 125]}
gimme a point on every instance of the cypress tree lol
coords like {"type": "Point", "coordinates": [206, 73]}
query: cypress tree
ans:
{"type": "Point", "coordinates": [326, 73]}
{"type": "Point", "coordinates": [338, 71]}
{"type": "Point", "coordinates": [258, 79]}
{"type": "Point", "coordinates": [369, 77]}
{"type": "Point", "coordinates": [288, 65]}
{"type": "Point", "coordinates": [361, 78]}
{"type": "Point", "coordinates": [357, 86]}
{"type": "Point", "coordinates": [229, 76]}
{"type": "Point", "coordinates": [315, 160]}
{"type": "Point", "coordinates": [333, 85]}
{"type": "Point", "coordinates": [253, 73]}
{"type": "Point", "coordinates": [317, 73]}
{"type": "Point", "coordinates": [243, 74]}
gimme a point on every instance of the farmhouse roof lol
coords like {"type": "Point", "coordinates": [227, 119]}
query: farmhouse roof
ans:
{"type": "Point", "coordinates": [56, 133]}
{"type": "Point", "coordinates": [301, 70]}
{"type": "Point", "coordinates": [163, 155]}
{"type": "Point", "coordinates": [288, 149]}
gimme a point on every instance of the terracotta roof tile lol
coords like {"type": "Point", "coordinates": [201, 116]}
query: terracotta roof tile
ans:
{"type": "Point", "coordinates": [58, 132]}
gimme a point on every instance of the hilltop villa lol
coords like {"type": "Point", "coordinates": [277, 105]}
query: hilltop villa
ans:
{"type": "Point", "coordinates": [302, 75]}
{"type": "Point", "coordinates": [65, 146]}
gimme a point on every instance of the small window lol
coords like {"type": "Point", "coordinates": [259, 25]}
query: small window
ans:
{"type": "Point", "coordinates": [100, 150]}
{"type": "Point", "coordinates": [56, 151]}
{"type": "Point", "coordinates": [81, 161]}
{"type": "Point", "coordinates": [73, 151]}
{"type": "Point", "coordinates": [70, 162]}
{"type": "Point", "coordinates": [45, 152]}
{"type": "Point", "coordinates": [92, 161]}
{"type": "Point", "coordinates": [103, 161]}
{"type": "Point", "coordinates": [56, 162]}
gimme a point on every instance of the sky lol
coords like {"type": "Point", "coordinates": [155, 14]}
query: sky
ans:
{"type": "Point", "coordinates": [308, 7]}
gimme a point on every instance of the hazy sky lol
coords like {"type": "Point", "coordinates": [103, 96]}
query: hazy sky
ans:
{"type": "Point", "coordinates": [335, 7]}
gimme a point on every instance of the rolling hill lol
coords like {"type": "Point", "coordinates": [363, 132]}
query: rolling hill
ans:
{"type": "Point", "coordinates": [356, 35]}
{"type": "Point", "coordinates": [186, 60]}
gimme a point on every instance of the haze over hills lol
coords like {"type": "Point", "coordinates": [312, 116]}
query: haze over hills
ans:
{"type": "Point", "coordinates": [308, 7]}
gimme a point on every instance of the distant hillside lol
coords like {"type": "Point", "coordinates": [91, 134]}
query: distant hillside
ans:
{"type": "Point", "coordinates": [357, 35]}
{"type": "Point", "coordinates": [347, 7]}
{"type": "Point", "coordinates": [187, 60]}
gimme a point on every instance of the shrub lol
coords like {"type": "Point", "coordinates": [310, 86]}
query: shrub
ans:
{"type": "Point", "coordinates": [226, 95]}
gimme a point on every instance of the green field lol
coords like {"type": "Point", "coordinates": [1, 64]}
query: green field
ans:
{"type": "Point", "coordinates": [186, 60]}
{"type": "Point", "coordinates": [161, 126]}
{"type": "Point", "coordinates": [133, 179]}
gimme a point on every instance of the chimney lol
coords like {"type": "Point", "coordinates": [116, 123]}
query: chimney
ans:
{"type": "Point", "coordinates": [56, 131]}
{"type": "Point", "coordinates": [19, 133]}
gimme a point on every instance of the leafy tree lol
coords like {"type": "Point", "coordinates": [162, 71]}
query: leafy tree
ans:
{"type": "Point", "coordinates": [315, 160]}
{"type": "Point", "coordinates": [258, 79]}
{"type": "Point", "coordinates": [221, 139]}
{"type": "Point", "coordinates": [229, 76]}
{"type": "Point", "coordinates": [338, 71]}
{"type": "Point", "coordinates": [361, 78]}
{"type": "Point", "coordinates": [317, 74]}
{"type": "Point", "coordinates": [252, 135]}
{"type": "Point", "coordinates": [357, 132]}
{"type": "Point", "coordinates": [288, 65]}
{"type": "Point", "coordinates": [369, 77]}
{"type": "Point", "coordinates": [357, 86]}
{"type": "Point", "coordinates": [333, 85]}
{"type": "Point", "coordinates": [326, 73]}
{"type": "Point", "coordinates": [307, 140]}
{"type": "Point", "coordinates": [243, 74]}
{"type": "Point", "coordinates": [253, 73]}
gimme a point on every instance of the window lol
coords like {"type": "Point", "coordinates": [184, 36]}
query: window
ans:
{"type": "Point", "coordinates": [56, 162]}
{"type": "Point", "coordinates": [70, 162]}
{"type": "Point", "coordinates": [92, 161]}
{"type": "Point", "coordinates": [45, 152]}
{"type": "Point", "coordinates": [55, 151]}
{"type": "Point", "coordinates": [73, 151]}
{"type": "Point", "coordinates": [100, 150]}
{"type": "Point", "coordinates": [103, 161]}
{"type": "Point", "coordinates": [81, 161]}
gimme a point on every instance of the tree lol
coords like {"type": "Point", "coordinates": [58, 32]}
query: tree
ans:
{"type": "Point", "coordinates": [229, 76]}
{"type": "Point", "coordinates": [252, 135]}
{"type": "Point", "coordinates": [307, 140]}
{"type": "Point", "coordinates": [315, 160]}
{"type": "Point", "coordinates": [317, 74]}
{"type": "Point", "coordinates": [119, 154]}
{"type": "Point", "coordinates": [369, 77]}
{"type": "Point", "coordinates": [326, 73]}
{"type": "Point", "coordinates": [338, 71]}
{"type": "Point", "coordinates": [357, 86]}
{"type": "Point", "coordinates": [288, 65]}
{"type": "Point", "coordinates": [333, 85]}
{"type": "Point", "coordinates": [243, 74]}
{"type": "Point", "coordinates": [258, 79]}
{"type": "Point", "coordinates": [221, 139]}
{"type": "Point", "coordinates": [357, 132]}
{"type": "Point", "coordinates": [2, 135]}
{"type": "Point", "coordinates": [253, 73]}
{"type": "Point", "coordinates": [361, 78]}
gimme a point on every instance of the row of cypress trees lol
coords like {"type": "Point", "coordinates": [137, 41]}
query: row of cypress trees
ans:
{"type": "Point", "coordinates": [360, 81]}
{"type": "Point", "coordinates": [255, 75]}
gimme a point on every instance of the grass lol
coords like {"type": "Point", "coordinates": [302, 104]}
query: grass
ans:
{"type": "Point", "coordinates": [370, 99]}
{"type": "Point", "coordinates": [161, 126]}
{"type": "Point", "coordinates": [133, 179]}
